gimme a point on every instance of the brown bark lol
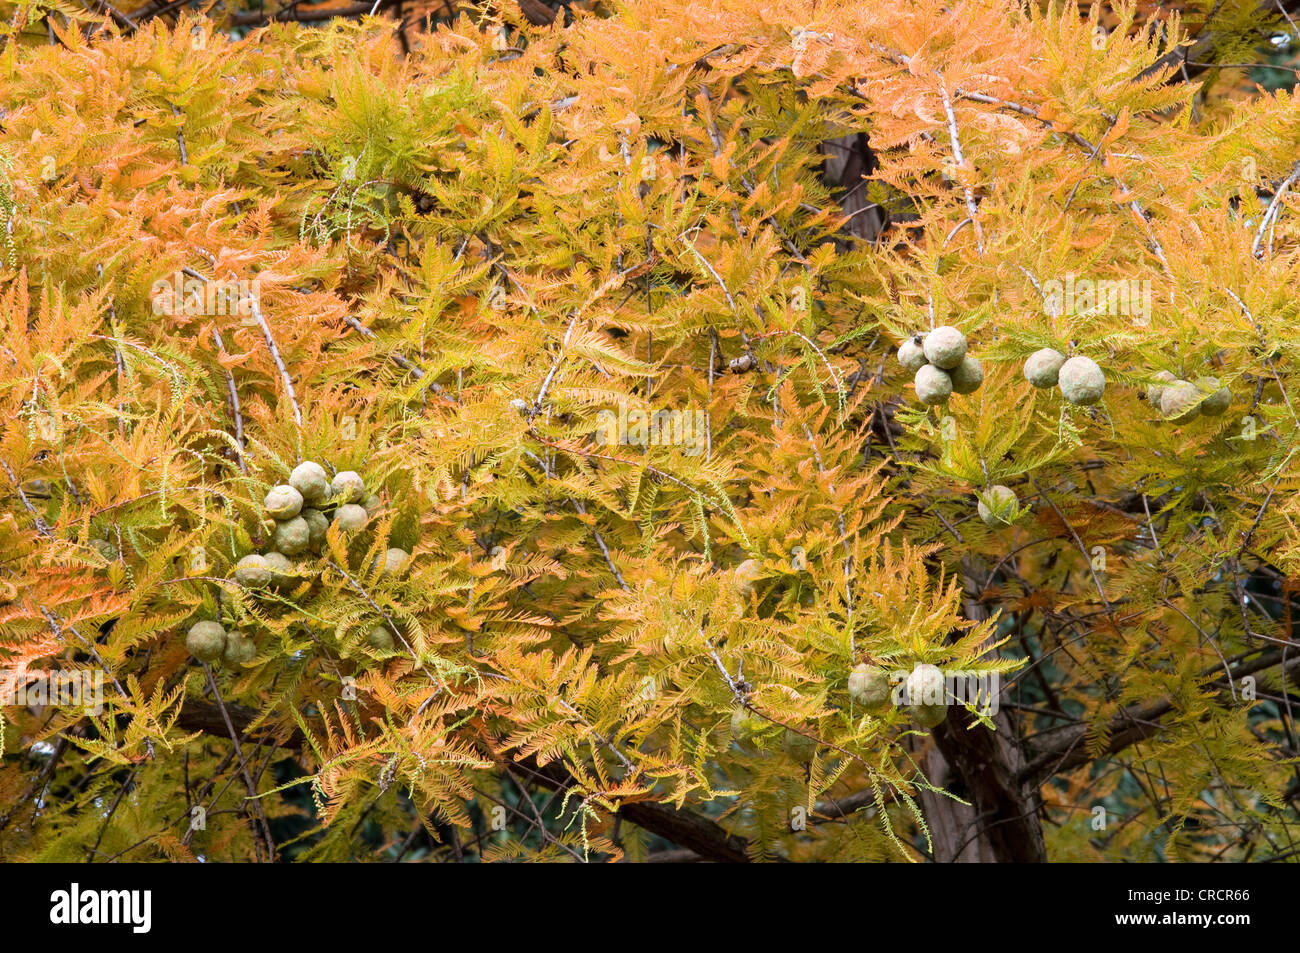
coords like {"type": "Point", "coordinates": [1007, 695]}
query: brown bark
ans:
{"type": "Point", "coordinates": [1193, 58]}
{"type": "Point", "coordinates": [953, 826]}
{"type": "Point", "coordinates": [999, 823]}
{"type": "Point", "coordinates": [536, 12]}
{"type": "Point", "coordinates": [1133, 724]}
{"type": "Point", "coordinates": [848, 167]}
{"type": "Point", "coordinates": [692, 831]}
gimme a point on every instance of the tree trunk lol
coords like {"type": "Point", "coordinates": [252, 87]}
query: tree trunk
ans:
{"type": "Point", "coordinates": [999, 824]}
{"type": "Point", "coordinates": [847, 169]}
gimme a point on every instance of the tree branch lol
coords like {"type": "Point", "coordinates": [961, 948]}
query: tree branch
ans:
{"type": "Point", "coordinates": [695, 832]}
{"type": "Point", "coordinates": [1135, 723]}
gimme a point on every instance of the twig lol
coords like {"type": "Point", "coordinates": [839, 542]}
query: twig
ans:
{"type": "Point", "coordinates": [180, 135]}
{"type": "Point", "coordinates": [42, 527]}
{"type": "Point", "coordinates": [1274, 208]}
{"type": "Point", "coordinates": [243, 764]}
{"type": "Point", "coordinates": [971, 209]}
{"type": "Point", "coordinates": [234, 403]}
{"type": "Point", "coordinates": [600, 541]}
{"type": "Point", "coordinates": [275, 354]}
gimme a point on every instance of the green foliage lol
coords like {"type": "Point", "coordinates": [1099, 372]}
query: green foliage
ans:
{"type": "Point", "coordinates": [585, 310]}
